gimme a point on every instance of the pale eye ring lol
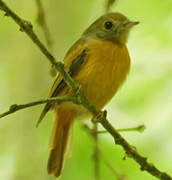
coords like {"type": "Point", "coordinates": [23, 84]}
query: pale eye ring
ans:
{"type": "Point", "coordinates": [108, 25]}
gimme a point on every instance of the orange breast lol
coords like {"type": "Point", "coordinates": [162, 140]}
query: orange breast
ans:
{"type": "Point", "coordinates": [105, 70]}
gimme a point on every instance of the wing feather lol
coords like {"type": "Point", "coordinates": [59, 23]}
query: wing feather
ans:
{"type": "Point", "coordinates": [75, 57]}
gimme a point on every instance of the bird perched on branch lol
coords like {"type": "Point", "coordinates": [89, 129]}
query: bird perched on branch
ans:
{"type": "Point", "coordinates": [99, 62]}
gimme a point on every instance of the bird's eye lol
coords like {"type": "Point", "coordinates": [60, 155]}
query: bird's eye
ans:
{"type": "Point", "coordinates": [108, 25]}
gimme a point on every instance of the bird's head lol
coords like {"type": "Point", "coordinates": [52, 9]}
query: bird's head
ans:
{"type": "Point", "coordinates": [111, 26]}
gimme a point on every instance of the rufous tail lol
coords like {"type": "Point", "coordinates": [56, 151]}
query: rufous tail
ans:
{"type": "Point", "coordinates": [59, 139]}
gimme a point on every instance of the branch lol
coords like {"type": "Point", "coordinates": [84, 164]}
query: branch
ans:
{"type": "Point", "coordinates": [96, 151]}
{"type": "Point", "coordinates": [131, 151]}
{"type": "Point", "coordinates": [13, 108]}
{"type": "Point", "coordinates": [43, 23]}
{"type": "Point", "coordinates": [92, 132]}
{"type": "Point", "coordinates": [139, 129]}
{"type": "Point", "coordinates": [108, 5]}
{"type": "Point", "coordinates": [119, 175]}
{"type": "Point", "coordinates": [100, 116]}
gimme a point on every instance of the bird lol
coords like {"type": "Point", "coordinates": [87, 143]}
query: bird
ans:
{"type": "Point", "coordinates": [99, 63]}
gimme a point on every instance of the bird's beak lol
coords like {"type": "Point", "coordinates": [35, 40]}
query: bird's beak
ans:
{"type": "Point", "coordinates": [130, 24]}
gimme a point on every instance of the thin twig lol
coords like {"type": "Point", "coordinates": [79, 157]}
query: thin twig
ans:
{"type": "Point", "coordinates": [117, 173]}
{"type": "Point", "coordinates": [101, 116]}
{"type": "Point", "coordinates": [108, 5]}
{"type": "Point", "coordinates": [139, 129]}
{"type": "Point", "coordinates": [13, 108]}
{"type": "Point", "coordinates": [42, 21]}
{"type": "Point", "coordinates": [92, 132]}
{"type": "Point", "coordinates": [96, 152]}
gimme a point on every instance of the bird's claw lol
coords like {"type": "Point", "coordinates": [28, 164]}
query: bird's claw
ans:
{"type": "Point", "coordinates": [101, 115]}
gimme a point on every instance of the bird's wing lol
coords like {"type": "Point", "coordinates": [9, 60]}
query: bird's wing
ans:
{"type": "Point", "coordinates": [75, 57]}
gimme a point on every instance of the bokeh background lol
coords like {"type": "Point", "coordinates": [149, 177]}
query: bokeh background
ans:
{"type": "Point", "coordinates": [144, 99]}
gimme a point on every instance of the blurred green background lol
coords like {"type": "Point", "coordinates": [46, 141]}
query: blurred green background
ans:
{"type": "Point", "coordinates": [144, 99]}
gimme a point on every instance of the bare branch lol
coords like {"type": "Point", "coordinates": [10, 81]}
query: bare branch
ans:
{"type": "Point", "coordinates": [108, 5]}
{"type": "Point", "coordinates": [96, 152]}
{"type": "Point", "coordinates": [100, 116]}
{"type": "Point", "coordinates": [132, 152]}
{"type": "Point", "coordinates": [42, 21]}
{"type": "Point", "coordinates": [13, 108]}
{"type": "Point", "coordinates": [139, 129]}
{"type": "Point", "coordinates": [93, 131]}
{"type": "Point", "coordinates": [117, 173]}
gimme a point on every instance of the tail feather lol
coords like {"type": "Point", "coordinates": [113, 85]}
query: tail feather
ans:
{"type": "Point", "coordinates": [59, 140]}
{"type": "Point", "coordinates": [44, 112]}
